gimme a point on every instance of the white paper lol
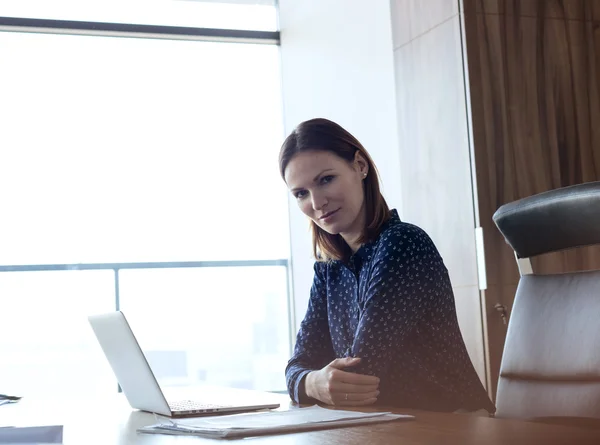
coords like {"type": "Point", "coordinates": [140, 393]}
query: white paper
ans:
{"type": "Point", "coordinates": [299, 416]}
{"type": "Point", "coordinates": [242, 425]}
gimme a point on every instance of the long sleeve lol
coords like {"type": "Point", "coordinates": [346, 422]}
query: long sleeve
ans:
{"type": "Point", "coordinates": [407, 281]}
{"type": "Point", "coordinates": [408, 333]}
{"type": "Point", "coordinates": [313, 348]}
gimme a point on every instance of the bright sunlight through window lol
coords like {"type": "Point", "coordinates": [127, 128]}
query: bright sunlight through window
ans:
{"type": "Point", "coordinates": [117, 150]}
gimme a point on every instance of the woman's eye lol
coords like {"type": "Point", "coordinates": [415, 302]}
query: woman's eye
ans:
{"type": "Point", "coordinates": [326, 179]}
{"type": "Point", "coordinates": [301, 194]}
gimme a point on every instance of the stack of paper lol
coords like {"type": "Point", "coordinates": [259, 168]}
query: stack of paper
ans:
{"type": "Point", "coordinates": [273, 422]}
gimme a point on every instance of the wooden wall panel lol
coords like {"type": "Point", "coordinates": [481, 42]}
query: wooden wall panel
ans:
{"type": "Point", "coordinates": [534, 85]}
{"type": "Point", "coordinates": [534, 95]}
{"type": "Point", "coordinates": [562, 9]}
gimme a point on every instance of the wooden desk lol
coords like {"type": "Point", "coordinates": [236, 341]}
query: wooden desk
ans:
{"type": "Point", "coordinates": [112, 422]}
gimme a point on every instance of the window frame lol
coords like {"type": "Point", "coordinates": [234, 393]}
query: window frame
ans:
{"type": "Point", "coordinates": [22, 24]}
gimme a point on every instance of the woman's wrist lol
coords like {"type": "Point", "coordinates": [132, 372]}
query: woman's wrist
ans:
{"type": "Point", "coordinates": [308, 384]}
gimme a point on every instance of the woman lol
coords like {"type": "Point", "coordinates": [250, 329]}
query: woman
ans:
{"type": "Point", "coordinates": [381, 324]}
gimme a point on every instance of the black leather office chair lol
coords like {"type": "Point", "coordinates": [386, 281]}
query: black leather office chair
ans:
{"type": "Point", "coordinates": [551, 363]}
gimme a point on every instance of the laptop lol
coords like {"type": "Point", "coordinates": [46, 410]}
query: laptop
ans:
{"type": "Point", "coordinates": [141, 388]}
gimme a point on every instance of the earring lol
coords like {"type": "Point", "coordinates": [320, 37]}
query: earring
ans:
{"type": "Point", "coordinates": [364, 175]}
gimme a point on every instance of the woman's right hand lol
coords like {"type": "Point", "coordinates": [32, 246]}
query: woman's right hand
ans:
{"type": "Point", "coordinates": [334, 386]}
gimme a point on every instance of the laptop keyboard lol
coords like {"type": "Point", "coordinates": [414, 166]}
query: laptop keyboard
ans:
{"type": "Point", "coordinates": [190, 405]}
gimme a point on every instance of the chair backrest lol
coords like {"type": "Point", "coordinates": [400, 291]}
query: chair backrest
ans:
{"type": "Point", "coordinates": [551, 362]}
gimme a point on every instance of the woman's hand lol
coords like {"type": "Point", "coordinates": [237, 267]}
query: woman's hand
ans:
{"type": "Point", "coordinates": [333, 386]}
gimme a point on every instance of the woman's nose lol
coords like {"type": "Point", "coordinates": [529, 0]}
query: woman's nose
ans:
{"type": "Point", "coordinates": [318, 201]}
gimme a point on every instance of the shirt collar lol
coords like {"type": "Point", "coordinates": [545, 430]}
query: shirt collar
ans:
{"type": "Point", "coordinates": [365, 250]}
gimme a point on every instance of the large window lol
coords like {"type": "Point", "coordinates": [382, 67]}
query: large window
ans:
{"type": "Point", "coordinates": [141, 174]}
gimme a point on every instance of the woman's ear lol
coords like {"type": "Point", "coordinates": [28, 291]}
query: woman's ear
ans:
{"type": "Point", "coordinates": [360, 164]}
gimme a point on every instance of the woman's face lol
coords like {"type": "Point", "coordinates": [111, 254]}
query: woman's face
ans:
{"type": "Point", "coordinates": [329, 190]}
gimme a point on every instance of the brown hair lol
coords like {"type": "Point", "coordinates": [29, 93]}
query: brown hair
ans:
{"type": "Point", "coordinates": [325, 135]}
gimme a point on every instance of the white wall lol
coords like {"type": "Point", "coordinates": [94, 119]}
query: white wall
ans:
{"type": "Point", "coordinates": [338, 63]}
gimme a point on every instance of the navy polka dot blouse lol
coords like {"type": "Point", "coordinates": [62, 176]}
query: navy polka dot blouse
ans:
{"type": "Point", "coordinates": [392, 305]}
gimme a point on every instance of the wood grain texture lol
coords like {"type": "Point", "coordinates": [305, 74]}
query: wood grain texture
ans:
{"type": "Point", "coordinates": [430, 428]}
{"type": "Point", "coordinates": [81, 417]}
{"type": "Point", "coordinates": [534, 93]}
{"type": "Point", "coordinates": [558, 9]}
{"type": "Point", "coordinates": [412, 18]}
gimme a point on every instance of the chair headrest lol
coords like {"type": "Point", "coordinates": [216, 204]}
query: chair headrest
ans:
{"type": "Point", "coordinates": [555, 220]}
